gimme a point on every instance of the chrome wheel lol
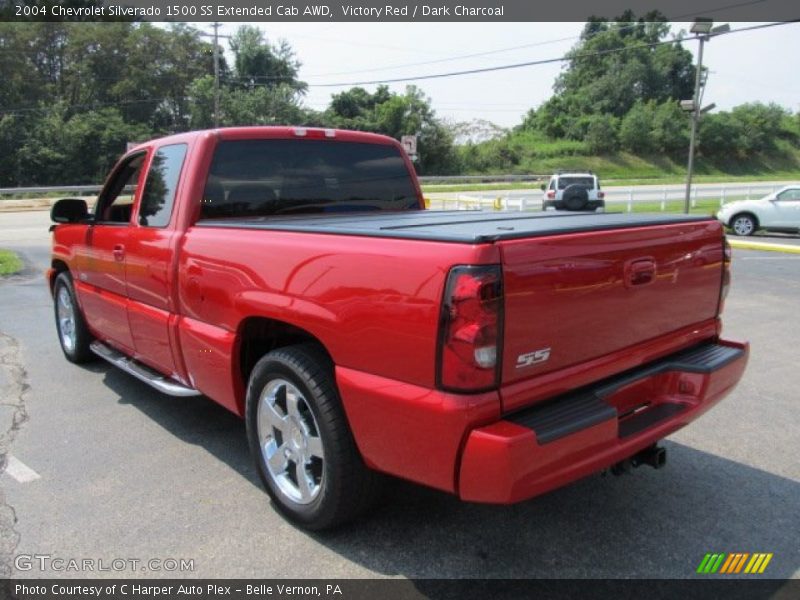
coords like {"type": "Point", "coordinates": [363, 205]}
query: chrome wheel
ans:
{"type": "Point", "coordinates": [289, 440]}
{"type": "Point", "coordinates": [65, 312]}
{"type": "Point", "coordinates": [743, 225]}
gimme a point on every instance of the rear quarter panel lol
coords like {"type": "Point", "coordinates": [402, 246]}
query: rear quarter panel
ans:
{"type": "Point", "coordinates": [372, 302]}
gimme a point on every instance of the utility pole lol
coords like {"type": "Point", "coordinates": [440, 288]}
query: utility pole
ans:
{"type": "Point", "coordinates": [216, 27]}
{"type": "Point", "coordinates": [693, 134]}
{"type": "Point", "coordinates": [704, 29]}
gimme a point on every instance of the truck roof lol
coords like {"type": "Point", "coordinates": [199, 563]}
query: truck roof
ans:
{"type": "Point", "coordinates": [274, 132]}
{"type": "Point", "coordinates": [470, 227]}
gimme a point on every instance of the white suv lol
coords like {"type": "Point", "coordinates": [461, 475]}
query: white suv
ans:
{"type": "Point", "coordinates": [573, 191]}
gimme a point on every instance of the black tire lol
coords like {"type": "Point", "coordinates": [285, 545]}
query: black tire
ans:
{"type": "Point", "coordinates": [575, 197]}
{"type": "Point", "coordinates": [340, 486]}
{"type": "Point", "coordinates": [73, 334]}
{"type": "Point", "coordinates": [744, 224]}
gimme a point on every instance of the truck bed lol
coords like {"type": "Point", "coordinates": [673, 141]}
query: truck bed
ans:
{"type": "Point", "coordinates": [458, 226]}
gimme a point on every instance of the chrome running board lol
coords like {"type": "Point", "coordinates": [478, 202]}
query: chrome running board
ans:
{"type": "Point", "coordinates": [142, 372]}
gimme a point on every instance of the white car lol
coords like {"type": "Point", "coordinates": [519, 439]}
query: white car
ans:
{"type": "Point", "coordinates": [778, 211]}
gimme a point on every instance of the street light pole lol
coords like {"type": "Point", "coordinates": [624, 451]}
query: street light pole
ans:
{"type": "Point", "coordinates": [695, 119]}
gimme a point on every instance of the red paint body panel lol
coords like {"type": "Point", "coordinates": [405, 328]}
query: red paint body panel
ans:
{"type": "Point", "coordinates": [503, 463]}
{"type": "Point", "coordinates": [208, 355]}
{"type": "Point", "coordinates": [603, 301]}
{"type": "Point", "coordinates": [530, 391]}
{"type": "Point", "coordinates": [571, 292]}
{"type": "Point", "coordinates": [375, 303]}
{"type": "Point", "coordinates": [411, 431]}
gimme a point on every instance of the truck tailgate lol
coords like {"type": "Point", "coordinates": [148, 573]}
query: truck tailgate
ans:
{"type": "Point", "coordinates": [571, 298]}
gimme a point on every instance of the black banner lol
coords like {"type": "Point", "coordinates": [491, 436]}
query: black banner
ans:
{"type": "Point", "coordinates": [397, 589]}
{"type": "Point", "coordinates": [390, 10]}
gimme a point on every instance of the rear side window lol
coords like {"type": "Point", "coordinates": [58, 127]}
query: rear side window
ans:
{"type": "Point", "coordinates": [256, 178]}
{"type": "Point", "coordinates": [790, 194]}
{"type": "Point", "coordinates": [162, 183]}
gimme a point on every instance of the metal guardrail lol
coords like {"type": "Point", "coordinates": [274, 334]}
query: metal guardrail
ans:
{"type": "Point", "coordinates": [78, 190]}
{"type": "Point", "coordinates": [425, 180]}
{"type": "Point", "coordinates": [450, 179]}
{"type": "Point", "coordinates": [663, 197]}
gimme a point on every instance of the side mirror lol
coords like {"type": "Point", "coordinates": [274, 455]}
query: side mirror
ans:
{"type": "Point", "coordinates": [543, 186]}
{"type": "Point", "coordinates": [69, 210]}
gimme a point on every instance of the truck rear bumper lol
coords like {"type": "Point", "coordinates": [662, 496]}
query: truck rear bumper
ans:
{"type": "Point", "coordinates": [563, 439]}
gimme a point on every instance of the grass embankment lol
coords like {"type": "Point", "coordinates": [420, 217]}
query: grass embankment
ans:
{"type": "Point", "coordinates": [10, 263]}
{"type": "Point", "coordinates": [702, 207]}
{"type": "Point", "coordinates": [622, 168]}
{"type": "Point", "coordinates": [665, 180]}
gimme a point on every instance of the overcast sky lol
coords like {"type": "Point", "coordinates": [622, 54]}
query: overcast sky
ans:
{"type": "Point", "coordinates": [759, 65]}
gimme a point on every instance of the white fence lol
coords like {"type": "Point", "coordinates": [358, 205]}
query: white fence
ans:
{"type": "Point", "coordinates": [653, 198]}
{"type": "Point", "coordinates": [648, 197]}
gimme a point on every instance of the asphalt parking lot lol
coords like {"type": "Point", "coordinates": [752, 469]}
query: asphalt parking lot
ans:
{"type": "Point", "coordinates": [117, 470]}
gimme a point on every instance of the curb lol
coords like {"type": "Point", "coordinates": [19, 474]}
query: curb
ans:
{"type": "Point", "coordinates": [27, 204]}
{"type": "Point", "coordinates": [764, 246]}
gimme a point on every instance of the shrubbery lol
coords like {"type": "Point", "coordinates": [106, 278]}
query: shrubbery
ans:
{"type": "Point", "coordinates": [73, 94]}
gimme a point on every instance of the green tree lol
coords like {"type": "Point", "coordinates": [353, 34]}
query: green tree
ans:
{"type": "Point", "coordinates": [259, 62]}
{"type": "Point", "coordinates": [720, 136]}
{"type": "Point", "coordinates": [670, 128]}
{"type": "Point", "coordinates": [636, 129]}
{"type": "Point", "coordinates": [614, 66]}
{"type": "Point", "coordinates": [397, 115]}
{"type": "Point", "coordinates": [74, 149]}
{"type": "Point", "coordinates": [602, 134]}
{"type": "Point", "coordinates": [761, 125]}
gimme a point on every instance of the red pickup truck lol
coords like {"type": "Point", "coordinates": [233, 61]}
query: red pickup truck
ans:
{"type": "Point", "coordinates": [294, 276]}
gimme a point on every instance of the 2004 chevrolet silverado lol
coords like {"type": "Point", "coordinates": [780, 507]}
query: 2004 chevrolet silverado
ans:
{"type": "Point", "coordinates": [294, 276]}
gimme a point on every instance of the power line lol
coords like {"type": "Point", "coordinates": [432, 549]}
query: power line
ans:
{"type": "Point", "coordinates": [495, 68]}
{"type": "Point", "coordinates": [441, 75]}
{"type": "Point", "coordinates": [452, 58]}
{"type": "Point", "coordinates": [536, 44]}
{"type": "Point", "coordinates": [539, 62]}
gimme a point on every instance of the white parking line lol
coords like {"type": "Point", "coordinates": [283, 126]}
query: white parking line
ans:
{"type": "Point", "coordinates": [20, 471]}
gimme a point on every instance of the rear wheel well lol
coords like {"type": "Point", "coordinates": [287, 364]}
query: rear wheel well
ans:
{"type": "Point", "coordinates": [744, 213]}
{"type": "Point", "coordinates": [259, 335]}
{"type": "Point", "coordinates": [58, 266]}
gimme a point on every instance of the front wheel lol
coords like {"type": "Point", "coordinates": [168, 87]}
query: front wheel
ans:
{"type": "Point", "coordinates": [743, 225]}
{"type": "Point", "coordinates": [299, 437]}
{"type": "Point", "coordinates": [73, 334]}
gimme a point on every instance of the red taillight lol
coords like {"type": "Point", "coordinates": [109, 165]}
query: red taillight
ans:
{"type": "Point", "coordinates": [551, 194]}
{"type": "Point", "coordinates": [470, 329]}
{"type": "Point", "coordinates": [726, 274]}
{"type": "Point", "coordinates": [601, 195]}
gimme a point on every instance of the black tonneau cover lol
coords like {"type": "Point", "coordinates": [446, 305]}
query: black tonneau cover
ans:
{"type": "Point", "coordinates": [468, 227]}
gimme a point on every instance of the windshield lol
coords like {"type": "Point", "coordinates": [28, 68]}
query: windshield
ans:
{"type": "Point", "coordinates": [280, 177]}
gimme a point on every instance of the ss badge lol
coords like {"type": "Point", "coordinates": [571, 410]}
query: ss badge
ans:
{"type": "Point", "coordinates": [533, 358]}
